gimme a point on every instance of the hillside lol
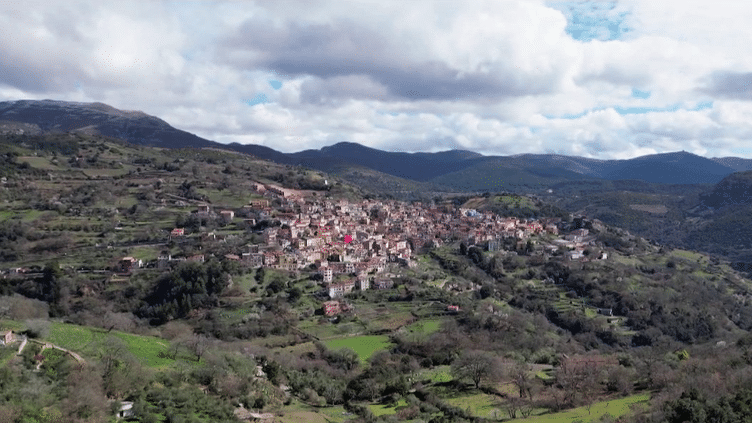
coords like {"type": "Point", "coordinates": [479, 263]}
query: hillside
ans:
{"type": "Point", "coordinates": [184, 326]}
{"type": "Point", "coordinates": [733, 189]}
{"type": "Point", "coordinates": [99, 119]}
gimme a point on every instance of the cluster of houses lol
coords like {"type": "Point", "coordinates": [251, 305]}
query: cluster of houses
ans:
{"type": "Point", "coordinates": [352, 243]}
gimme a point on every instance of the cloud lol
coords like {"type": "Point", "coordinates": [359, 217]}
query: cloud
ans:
{"type": "Point", "coordinates": [601, 79]}
{"type": "Point", "coordinates": [333, 50]}
{"type": "Point", "coordinates": [727, 84]}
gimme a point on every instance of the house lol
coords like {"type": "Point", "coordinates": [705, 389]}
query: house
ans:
{"type": "Point", "coordinates": [7, 337]}
{"type": "Point", "coordinates": [227, 215]}
{"type": "Point", "coordinates": [253, 259]}
{"type": "Point", "coordinates": [494, 244]}
{"type": "Point", "coordinates": [259, 204]}
{"type": "Point", "coordinates": [364, 282]}
{"type": "Point", "coordinates": [177, 232]}
{"type": "Point", "coordinates": [270, 235]}
{"type": "Point", "coordinates": [270, 258]}
{"type": "Point", "coordinates": [198, 258]}
{"type": "Point", "coordinates": [453, 308]}
{"type": "Point", "coordinates": [287, 262]}
{"type": "Point", "coordinates": [128, 264]}
{"type": "Point", "coordinates": [340, 289]}
{"type": "Point", "coordinates": [575, 255]}
{"type": "Point", "coordinates": [328, 274]}
{"type": "Point", "coordinates": [606, 312]}
{"type": "Point", "coordinates": [203, 210]}
{"type": "Point", "coordinates": [383, 283]}
{"type": "Point", "coordinates": [126, 409]}
{"type": "Point", "coordinates": [577, 235]}
{"type": "Point", "coordinates": [331, 308]}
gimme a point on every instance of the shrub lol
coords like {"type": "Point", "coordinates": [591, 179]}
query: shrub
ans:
{"type": "Point", "coordinates": [37, 328]}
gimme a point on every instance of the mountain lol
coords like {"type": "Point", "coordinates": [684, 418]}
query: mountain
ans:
{"type": "Point", "coordinates": [452, 170]}
{"type": "Point", "coordinates": [99, 119]}
{"type": "Point", "coordinates": [733, 189]}
{"type": "Point", "coordinates": [671, 168]}
{"type": "Point", "coordinates": [736, 163]}
{"type": "Point", "coordinates": [416, 166]}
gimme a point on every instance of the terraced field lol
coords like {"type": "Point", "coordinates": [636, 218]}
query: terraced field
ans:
{"type": "Point", "coordinates": [364, 346]}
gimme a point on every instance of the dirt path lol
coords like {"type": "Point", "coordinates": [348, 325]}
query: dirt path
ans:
{"type": "Point", "coordinates": [21, 347]}
{"type": "Point", "coordinates": [46, 345]}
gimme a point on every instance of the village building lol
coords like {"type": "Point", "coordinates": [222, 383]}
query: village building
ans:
{"type": "Point", "coordinates": [259, 203]}
{"type": "Point", "coordinates": [7, 337]}
{"type": "Point", "coordinates": [340, 289]}
{"type": "Point", "coordinates": [253, 260]}
{"type": "Point", "coordinates": [197, 258]}
{"type": "Point", "coordinates": [227, 215]}
{"type": "Point", "coordinates": [125, 410]}
{"type": "Point", "coordinates": [328, 274]}
{"type": "Point", "coordinates": [128, 264]}
{"type": "Point", "coordinates": [383, 283]}
{"type": "Point", "coordinates": [203, 210]}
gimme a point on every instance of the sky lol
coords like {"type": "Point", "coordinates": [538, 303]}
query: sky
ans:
{"type": "Point", "coordinates": [605, 79]}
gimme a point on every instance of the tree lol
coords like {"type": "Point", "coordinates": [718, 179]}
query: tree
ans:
{"type": "Point", "coordinates": [476, 366]}
{"type": "Point", "coordinates": [520, 375]}
{"type": "Point", "coordinates": [198, 344]}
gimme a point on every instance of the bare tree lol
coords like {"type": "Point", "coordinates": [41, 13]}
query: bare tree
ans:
{"type": "Point", "coordinates": [198, 344]}
{"type": "Point", "coordinates": [520, 375]}
{"type": "Point", "coordinates": [118, 321]}
{"type": "Point", "coordinates": [476, 366]}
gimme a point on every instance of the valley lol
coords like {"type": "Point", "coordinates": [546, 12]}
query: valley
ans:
{"type": "Point", "coordinates": [205, 285]}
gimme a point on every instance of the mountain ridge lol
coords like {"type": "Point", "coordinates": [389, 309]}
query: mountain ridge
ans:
{"type": "Point", "coordinates": [451, 168]}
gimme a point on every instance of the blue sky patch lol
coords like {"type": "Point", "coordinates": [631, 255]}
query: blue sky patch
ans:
{"type": "Point", "coordinates": [634, 110]}
{"type": "Point", "coordinates": [640, 94]}
{"type": "Point", "coordinates": [591, 20]}
{"type": "Point", "coordinates": [703, 105]}
{"type": "Point", "coordinates": [259, 99]}
{"type": "Point", "coordinates": [275, 84]}
{"type": "Point", "coordinates": [640, 110]}
{"type": "Point", "coordinates": [568, 116]}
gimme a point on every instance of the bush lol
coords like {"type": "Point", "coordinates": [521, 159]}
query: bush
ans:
{"type": "Point", "coordinates": [37, 328]}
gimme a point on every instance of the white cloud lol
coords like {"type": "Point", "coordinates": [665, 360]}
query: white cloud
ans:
{"type": "Point", "coordinates": [492, 76]}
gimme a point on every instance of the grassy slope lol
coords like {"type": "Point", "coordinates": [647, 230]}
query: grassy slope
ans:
{"type": "Point", "coordinates": [615, 407]}
{"type": "Point", "coordinates": [364, 346]}
{"type": "Point", "coordinates": [84, 340]}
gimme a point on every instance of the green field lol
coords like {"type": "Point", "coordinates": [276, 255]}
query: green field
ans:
{"type": "Point", "coordinates": [38, 162]}
{"type": "Point", "coordinates": [615, 407]}
{"type": "Point", "coordinates": [422, 329]}
{"type": "Point", "coordinates": [380, 409]}
{"type": "Point", "coordinates": [364, 346]}
{"type": "Point", "coordinates": [299, 412]}
{"type": "Point", "coordinates": [480, 404]}
{"type": "Point", "coordinates": [84, 340]}
{"type": "Point", "coordinates": [438, 374]}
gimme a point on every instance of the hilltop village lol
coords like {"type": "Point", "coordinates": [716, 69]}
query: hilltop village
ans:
{"type": "Point", "coordinates": [354, 244]}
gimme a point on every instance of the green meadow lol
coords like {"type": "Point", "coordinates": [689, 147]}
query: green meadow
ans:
{"type": "Point", "coordinates": [364, 346]}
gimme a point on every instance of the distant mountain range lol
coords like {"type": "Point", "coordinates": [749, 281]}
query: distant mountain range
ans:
{"type": "Point", "coordinates": [455, 170]}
